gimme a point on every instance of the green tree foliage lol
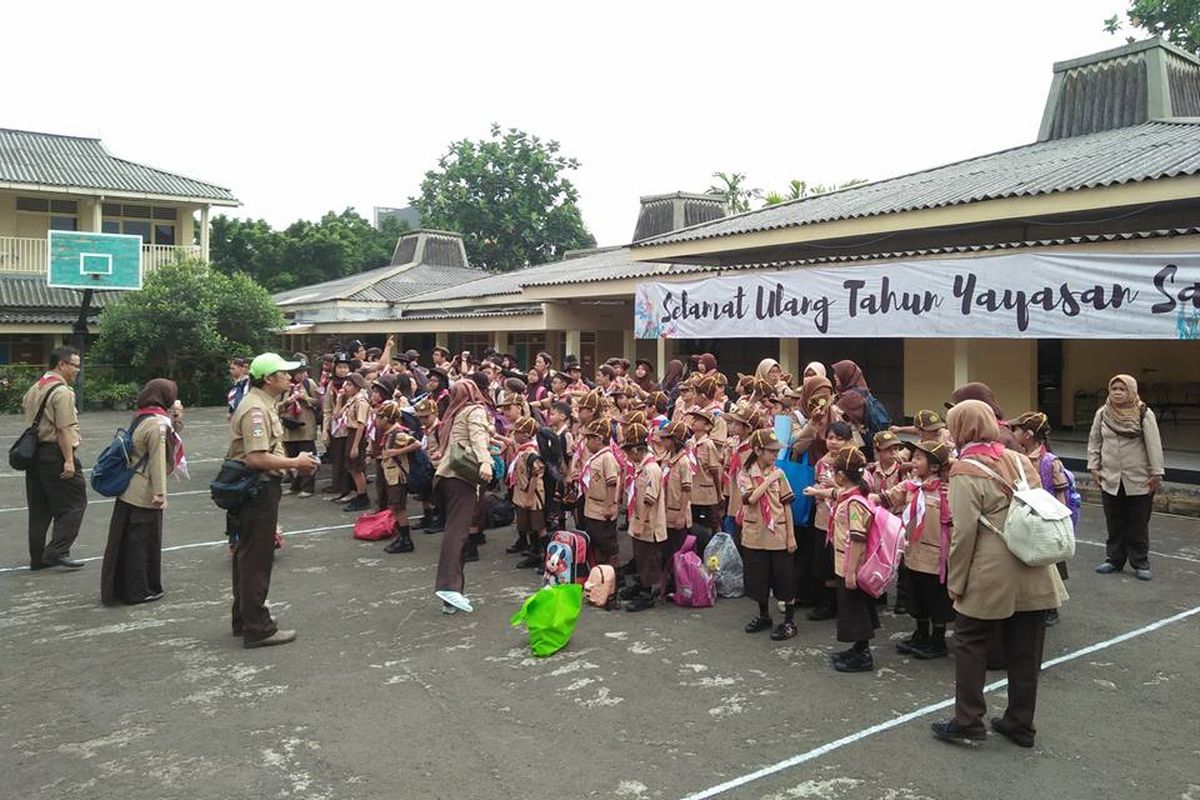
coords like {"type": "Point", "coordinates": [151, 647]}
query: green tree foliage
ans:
{"type": "Point", "coordinates": [508, 197]}
{"type": "Point", "coordinates": [185, 324]}
{"type": "Point", "coordinates": [732, 187]}
{"type": "Point", "coordinates": [305, 252]}
{"type": "Point", "coordinates": [798, 189]}
{"type": "Point", "coordinates": [1177, 21]}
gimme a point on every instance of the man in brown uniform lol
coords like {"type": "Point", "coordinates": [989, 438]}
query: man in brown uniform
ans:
{"type": "Point", "coordinates": [257, 439]}
{"type": "Point", "coordinates": [54, 485]}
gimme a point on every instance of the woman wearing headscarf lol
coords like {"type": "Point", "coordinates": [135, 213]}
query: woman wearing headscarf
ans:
{"type": "Point", "coordinates": [670, 382]}
{"type": "Point", "coordinates": [132, 569]}
{"type": "Point", "coordinates": [643, 376]}
{"type": "Point", "coordinates": [816, 400]}
{"type": "Point", "coordinates": [706, 363]}
{"type": "Point", "coordinates": [984, 394]}
{"type": "Point", "coordinates": [466, 425]}
{"type": "Point", "coordinates": [994, 593]}
{"type": "Point", "coordinates": [1125, 458]}
{"type": "Point", "coordinates": [852, 390]}
{"type": "Point", "coordinates": [814, 368]}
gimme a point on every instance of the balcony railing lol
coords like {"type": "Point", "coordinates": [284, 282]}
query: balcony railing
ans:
{"type": "Point", "coordinates": [28, 256]}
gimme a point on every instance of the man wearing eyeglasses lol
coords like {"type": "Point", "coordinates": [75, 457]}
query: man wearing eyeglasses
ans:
{"type": "Point", "coordinates": [54, 487]}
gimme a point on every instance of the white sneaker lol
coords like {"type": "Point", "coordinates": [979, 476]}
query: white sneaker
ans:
{"type": "Point", "coordinates": [455, 599]}
{"type": "Point", "coordinates": [304, 494]}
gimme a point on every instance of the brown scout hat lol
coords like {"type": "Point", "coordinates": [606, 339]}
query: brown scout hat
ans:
{"type": "Point", "coordinates": [425, 408]}
{"type": "Point", "coordinates": [511, 399]}
{"type": "Point", "coordinates": [765, 439]}
{"type": "Point", "coordinates": [745, 414]}
{"type": "Point", "coordinates": [635, 436]}
{"type": "Point", "coordinates": [673, 430]}
{"type": "Point", "coordinates": [598, 427]}
{"type": "Point", "coordinates": [886, 439]}
{"type": "Point", "coordinates": [653, 398]}
{"type": "Point", "coordinates": [635, 418]}
{"type": "Point", "coordinates": [938, 451]}
{"type": "Point", "coordinates": [927, 420]}
{"type": "Point", "coordinates": [525, 425]}
{"type": "Point", "coordinates": [357, 379]}
{"type": "Point", "coordinates": [849, 458]}
{"type": "Point", "coordinates": [1035, 421]}
{"type": "Point", "coordinates": [702, 414]}
{"type": "Point", "coordinates": [591, 400]}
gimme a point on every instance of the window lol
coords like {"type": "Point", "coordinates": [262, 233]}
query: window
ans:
{"type": "Point", "coordinates": [64, 223]}
{"type": "Point", "coordinates": [38, 214]}
{"type": "Point", "coordinates": [155, 224]}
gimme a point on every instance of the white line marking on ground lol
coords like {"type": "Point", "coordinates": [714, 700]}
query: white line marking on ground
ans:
{"type": "Point", "coordinates": [103, 500]}
{"type": "Point", "coordinates": [896, 722]}
{"type": "Point", "coordinates": [1152, 552]}
{"type": "Point", "coordinates": [303, 532]}
{"type": "Point", "coordinates": [89, 469]}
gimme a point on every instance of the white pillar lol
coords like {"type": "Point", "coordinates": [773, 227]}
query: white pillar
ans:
{"type": "Point", "coordinates": [204, 232]}
{"type": "Point", "coordinates": [500, 342]}
{"type": "Point", "coordinates": [574, 344]}
{"type": "Point", "coordinates": [662, 354]}
{"type": "Point", "coordinates": [441, 339]}
{"type": "Point", "coordinates": [789, 358]}
{"type": "Point", "coordinates": [961, 362]}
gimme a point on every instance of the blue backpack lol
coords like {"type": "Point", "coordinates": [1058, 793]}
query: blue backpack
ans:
{"type": "Point", "coordinates": [113, 472]}
{"type": "Point", "coordinates": [420, 473]}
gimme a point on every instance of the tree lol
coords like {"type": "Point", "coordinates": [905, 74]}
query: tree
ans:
{"type": "Point", "coordinates": [798, 190]}
{"type": "Point", "coordinates": [185, 323]}
{"type": "Point", "coordinates": [730, 185]}
{"type": "Point", "coordinates": [508, 197]}
{"type": "Point", "coordinates": [305, 252]}
{"type": "Point", "coordinates": [1177, 21]}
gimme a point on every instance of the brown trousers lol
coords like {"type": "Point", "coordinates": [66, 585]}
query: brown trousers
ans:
{"type": "Point", "coordinates": [651, 559]}
{"type": "Point", "coordinates": [459, 498]}
{"type": "Point", "coordinates": [253, 559]}
{"type": "Point", "coordinates": [1022, 635]}
{"type": "Point", "coordinates": [603, 533]}
{"type": "Point", "coordinates": [52, 499]}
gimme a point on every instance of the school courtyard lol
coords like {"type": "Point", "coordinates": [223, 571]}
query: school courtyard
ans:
{"type": "Point", "coordinates": [382, 696]}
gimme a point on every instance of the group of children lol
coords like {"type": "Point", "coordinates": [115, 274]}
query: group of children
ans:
{"type": "Point", "coordinates": [685, 458]}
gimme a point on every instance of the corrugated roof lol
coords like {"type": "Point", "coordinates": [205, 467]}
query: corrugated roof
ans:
{"type": "Point", "coordinates": [452, 313]}
{"type": "Point", "coordinates": [18, 317]}
{"type": "Point", "coordinates": [31, 292]}
{"type": "Point", "coordinates": [414, 281]}
{"type": "Point", "coordinates": [1162, 149]}
{"type": "Point", "coordinates": [47, 159]}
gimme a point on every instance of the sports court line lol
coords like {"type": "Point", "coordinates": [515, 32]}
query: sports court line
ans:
{"type": "Point", "coordinates": [1151, 552]}
{"type": "Point", "coordinates": [896, 722]}
{"type": "Point", "coordinates": [302, 532]}
{"type": "Point", "coordinates": [104, 500]}
{"type": "Point", "coordinates": [89, 469]}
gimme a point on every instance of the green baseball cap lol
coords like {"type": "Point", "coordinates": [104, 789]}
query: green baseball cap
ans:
{"type": "Point", "coordinates": [270, 363]}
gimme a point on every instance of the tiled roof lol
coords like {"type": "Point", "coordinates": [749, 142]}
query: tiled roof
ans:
{"type": "Point", "coordinates": [51, 160]}
{"type": "Point", "coordinates": [1154, 150]}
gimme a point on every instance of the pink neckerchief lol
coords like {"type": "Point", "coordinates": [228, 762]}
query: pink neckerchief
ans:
{"type": "Point", "coordinates": [992, 449]}
{"type": "Point", "coordinates": [764, 506]}
{"type": "Point", "coordinates": [631, 487]}
{"type": "Point", "coordinates": [512, 466]}
{"type": "Point", "coordinates": [585, 477]}
{"type": "Point", "coordinates": [180, 467]}
{"type": "Point", "coordinates": [735, 464]}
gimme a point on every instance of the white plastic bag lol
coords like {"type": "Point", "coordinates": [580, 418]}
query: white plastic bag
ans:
{"type": "Point", "coordinates": [727, 565]}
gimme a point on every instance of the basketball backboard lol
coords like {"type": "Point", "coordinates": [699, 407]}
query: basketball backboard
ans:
{"type": "Point", "coordinates": [87, 260]}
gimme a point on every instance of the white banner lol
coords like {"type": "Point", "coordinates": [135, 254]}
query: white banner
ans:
{"type": "Point", "coordinates": [1026, 295]}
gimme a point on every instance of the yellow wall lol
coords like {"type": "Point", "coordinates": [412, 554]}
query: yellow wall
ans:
{"type": "Point", "coordinates": [8, 215]}
{"type": "Point", "coordinates": [1009, 366]}
{"type": "Point", "coordinates": [1089, 364]}
{"type": "Point", "coordinates": [928, 374]}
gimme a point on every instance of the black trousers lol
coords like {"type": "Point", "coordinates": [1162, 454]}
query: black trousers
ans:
{"type": "Point", "coordinates": [337, 462]}
{"type": "Point", "coordinates": [1128, 520]}
{"type": "Point", "coordinates": [1022, 635]}
{"type": "Point", "coordinates": [52, 499]}
{"type": "Point", "coordinates": [132, 566]}
{"type": "Point", "coordinates": [253, 559]}
{"type": "Point", "coordinates": [808, 588]}
{"type": "Point", "coordinates": [301, 482]}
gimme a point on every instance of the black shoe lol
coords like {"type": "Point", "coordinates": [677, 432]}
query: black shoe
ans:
{"type": "Point", "coordinates": [359, 503]}
{"type": "Point", "coordinates": [530, 561]}
{"type": "Point", "coordinates": [641, 602]}
{"type": "Point", "coordinates": [65, 562]}
{"type": "Point", "coordinates": [905, 646]}
{"type": "Point", "coordinates": [1009, 731]}
{"type": "Point", "coordinates": [1051, 617]}
{"type": "Point", "coordinates": [437, 525]}
{"type": "Point", "coordinates": [519, 546]}
{"type": "Point", "coordinates": [629, 592]}
{"type": "Point", "coordinates": [401, 544]}
{"type": "Point", "coordinates": [947, 730]}
{"type": "Point", "coordinates": [470, 553]}
{"type": "Point", "coordinates": [758, 624]}
{"type": "Point", "coordinates": [613, 604]}
{"type": "Point", "coordinates": [39, 565]}
{"type": "Point", "coordinates": [841, 655]}
{"type": "Point", "coordinates": [784, 631]}
{"type": "Point", "coordinates": [930, 649]}
{"type": "Point", "coordinates": [822, 613]}
{"type": "Point", "coordinates": [857, 661]}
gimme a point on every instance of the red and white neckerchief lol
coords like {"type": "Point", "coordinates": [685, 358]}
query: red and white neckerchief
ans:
{"type": "Point", "coordinates": [735, 464]}
{"type": "Point", "coordinates": [689, 448]}
{"type": "Point", "coordinates": [631, 486]}
{"type": "Point", "coordinates": [52, 377]}
{"type": "Point", "coordinates": [430, 433]}
{"type": "Point", "coordinates": [585, 476]}
{"type": "Point", "coordinates": [512, 466]}
{"type": "Point", "coordinates": [764, 506]}
{"type": "Point", "coordinates": [180, 467]}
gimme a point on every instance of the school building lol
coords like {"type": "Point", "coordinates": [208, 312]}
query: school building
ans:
{"type": "Point", "coordinates": [1114, 169]}
{"type": "Point", "coordinates": [54, 182]}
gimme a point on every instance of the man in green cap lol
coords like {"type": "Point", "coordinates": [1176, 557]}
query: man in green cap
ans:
{"type": "Point", "coordinates": [256, 438]}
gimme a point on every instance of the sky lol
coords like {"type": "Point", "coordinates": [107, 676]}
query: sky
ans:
{"type": "Point", "coordinates": [301, 108]}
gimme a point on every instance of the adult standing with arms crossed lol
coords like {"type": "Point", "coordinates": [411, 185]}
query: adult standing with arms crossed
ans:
{"type": "Point", "coordinates": [1125, 457]}
{"type": "Point", "coordinates": [256, 439]}
{"type": "Point", "coordinates": [54, 487]}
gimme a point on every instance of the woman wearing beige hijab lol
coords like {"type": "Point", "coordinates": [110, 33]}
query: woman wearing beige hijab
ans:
{"type": "Point", "coordinates": [994, 593]}
{"type": "Point", "coordinates": [1125, 458]}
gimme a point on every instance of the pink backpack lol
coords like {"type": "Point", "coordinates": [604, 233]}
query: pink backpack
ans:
{"type": "Point", "coordinates": [578, 546]}
{"type": "Point", "coordinates": [601, 585]}
{"type": "Point", "coordinates": [885, 546]}
{"type": "Point", "coordinates": [373, 527]}
{"type": "Point", "coordinates": [695, 587]}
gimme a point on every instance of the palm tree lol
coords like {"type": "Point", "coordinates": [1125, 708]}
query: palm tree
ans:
{"type": "Point", "coordinates": [730, 186]}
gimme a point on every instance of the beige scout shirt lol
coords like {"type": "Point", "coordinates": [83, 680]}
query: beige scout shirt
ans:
{"type": "Point", "coordinates": [758, 531]}
{"type": "Point", "coordinates": [851, 521]}
{"type": "Point", "coordinates": [1128, 460]}
{"type": "Point", "coordinates": [823, 473]}
{"type": "Point", "coordinates": [529, 490]}
{"type": "Point", "coordinates": [395, 468]}
{"type": "Point", "coordinates": [992, 583]}
{"type": "Point", "coordinates": [678, 491]}
{"type": "Point", "coordinates": [60, 409]}
{"type": "Point", "coordinates": [925, 555]}
{"type": "Point", "coordinates": [308, 415]}
{"type": "Point", "coordinates": [604, 479]}
{"type": "Point", "coordinates": [472, 428]}
{"type": "Point", "coordinates": [706, 485]}
{"type": "Point", "coordinates": [149, 439]}
{"type": "Point", "coordinates": [358, 410]}
{"type": "Point", "coordinates": [255, 428]}
{"type": "Point", "coordinates": [649, 520]}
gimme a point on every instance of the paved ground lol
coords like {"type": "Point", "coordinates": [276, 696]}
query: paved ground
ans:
{"type": "Point", "coordinates": [384, 697]}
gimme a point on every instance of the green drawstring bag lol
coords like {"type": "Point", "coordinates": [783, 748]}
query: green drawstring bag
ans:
{"type": "Point", "coordinates": [549, 616]}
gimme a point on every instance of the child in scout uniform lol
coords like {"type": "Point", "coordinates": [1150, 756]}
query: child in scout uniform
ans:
{"type": "Point", "coordinates": [768, 538]}
{"type": "Point", "coordinates": [888, 469]}
{"type": "Point", "coordinates": [684, 401]}
{"type": "Point", "coordinates": [528, 494]}
{"type": "Point", "coordinates": [857, 616]}
{"type": "Point", "coordinates": [927, 426]}
{"type": "Point", "coordinates": [433, 519]}
{"type": "Point", "coordinates": [743, 420]}
{"type": "Point", "coordinates": [297, 411]}
{"type": "Point", "coordinates": [707, 501]}
{"type": "Point", "coordinates": [677, 477]}
{"type": "Point", "coordinates": [390, 450]}
{"type": "Point", "coordinates": [600, 479]}
{"type": "Point", "coordinates": [706, 398]}
{"type": "Point", "coordinates": [824, 494]}
{"type": "Point", "coordinates": [587, 412]}
{"type": "Point", "coordinates": [333, 406]}
{"type": "Point", "coordinates": [647, 512]}
{"type": "Point", "coordinates": [656, 408]}
{"type": "Point", "coordinates": [926, 516]}
{"type": "Point", "coordinates": [357, 410]}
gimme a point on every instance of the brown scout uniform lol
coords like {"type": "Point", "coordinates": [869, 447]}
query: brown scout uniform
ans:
{"type": "Point", "coordinates": [255, 428]}
{"type": "Point", "coordinates": [529, 490]}
{"type": "Point", "coordinates": [49, 497]}
{"type": "Point", "coordinates": [648, 524]}
{"type": "Point", "coordinates": [391, 474]}
{"type": "Point", "coordinates": [679, 492]}
{"type": "Point", "coordinates": [297, 440]}
{"type": "Point", "coordinates": [858, 617]}
{"type": "Point", "coordinates": [767, 544]}
{"type": "Point", "coordinates": [927, 598]}
{"type": "Point", "coordinates": [600, 503]}
{"type": "Point", "coordinates": [358, 413]}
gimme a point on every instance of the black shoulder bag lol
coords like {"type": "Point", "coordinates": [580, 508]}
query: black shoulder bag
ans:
{"type": "Point", "coordinates": [23, 454]}
{"type": "Point", "coordinates": [235, 485]}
